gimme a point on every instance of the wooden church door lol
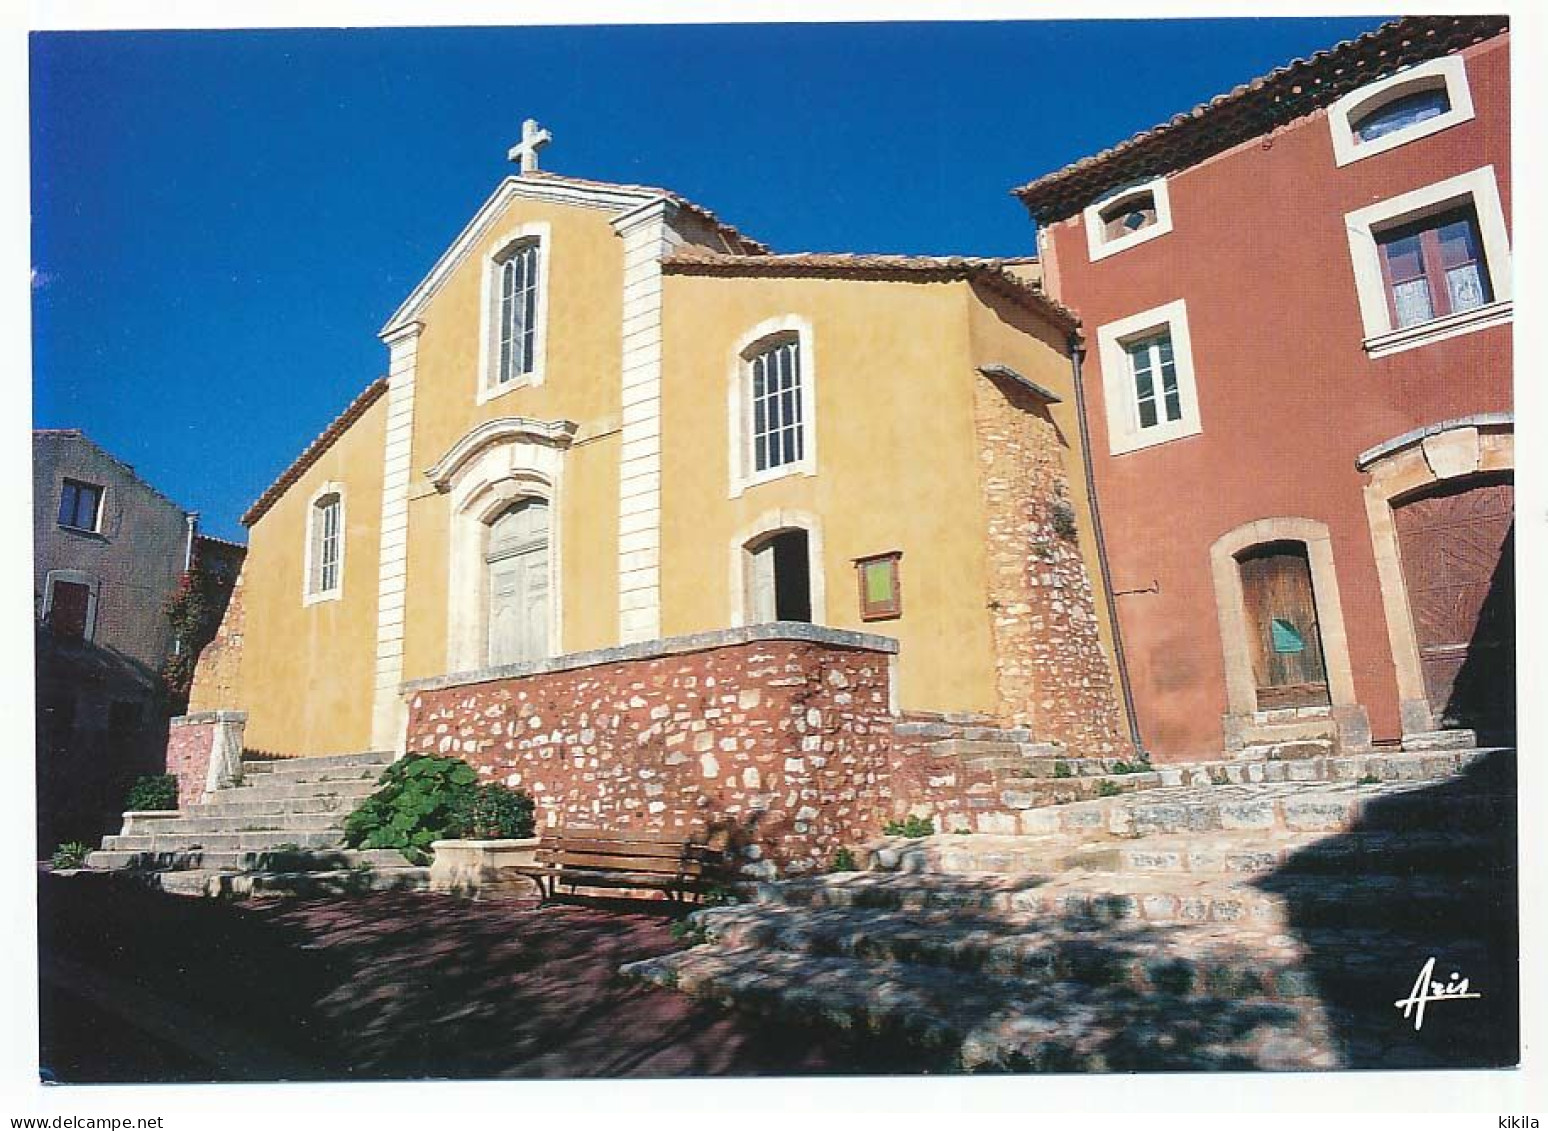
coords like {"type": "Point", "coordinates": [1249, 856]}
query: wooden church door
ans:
{"type": "Point", "coordinates": [1282, 617]}
{"type": "Point", "coordinates": [517, 563]}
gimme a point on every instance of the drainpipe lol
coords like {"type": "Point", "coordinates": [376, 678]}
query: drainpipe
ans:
{"type": "Point", "coordinates": [191, 520]}
{"type": "Point", "coordinates": [1077, 355]}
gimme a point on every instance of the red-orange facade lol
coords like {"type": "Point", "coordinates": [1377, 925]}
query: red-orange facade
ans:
{"type": "Point", "coordinates": [1297, 407]}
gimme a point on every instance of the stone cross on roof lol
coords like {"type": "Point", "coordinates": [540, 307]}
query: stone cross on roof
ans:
{"type": "Point", "coordinates": [533, 137]}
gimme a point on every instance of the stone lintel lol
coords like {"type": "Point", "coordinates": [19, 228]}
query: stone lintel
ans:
{"type": "Point", "coordinates": [669, 646]}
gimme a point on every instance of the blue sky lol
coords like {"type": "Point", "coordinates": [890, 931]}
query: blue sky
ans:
{"type": "Point", "coordinates": [223, 220]}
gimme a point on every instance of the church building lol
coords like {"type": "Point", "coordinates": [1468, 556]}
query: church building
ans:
{"type": "Point", "coordinates": [612, 423]}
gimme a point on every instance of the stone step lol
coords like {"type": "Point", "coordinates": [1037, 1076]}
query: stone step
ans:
{"type": "Point", "coordinates": [1210, 959]}
{"type": "Point", "coordinates": [1327, 807]}
{"type": "Point", "coordinates": [971, 732]}
{"type": "Point", "coordinates": [379, 759]}
{"type": "Point", "coordinates": [1294, 902]}
{"type": "Point", "coordinates": [218, 842]}
{"type": "Point", "coordinates": [303, 774]}
{"type": "Point", "coordinates": [243, 885]}
{"type": "Point", "coordinates": [1036, 792]}
{"type": "Point", "coordinates": [297, 806]}
{"type": "Point", "coordinates": [327, 859]}
{"type": "Point", "coordinates": [1060, 768]}
{"type": "Point", "coordinates": [1387, 766]}
{"type": "Point", "coordinates": [265, 790]}
{"type": "Point", "coordinates": [993, 1022]}
{"type": "Point", "coordinates": [274, 822]}
{"type": "Point", "coordinates": [1222, 853]}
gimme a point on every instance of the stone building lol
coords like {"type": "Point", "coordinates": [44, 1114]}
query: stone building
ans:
{"type": "Point", "coordinates": [618, 440]}
{"type": "Point", "coordinates": [109, 551]}
{"type": "Point", "coordinates": [1297, 306]}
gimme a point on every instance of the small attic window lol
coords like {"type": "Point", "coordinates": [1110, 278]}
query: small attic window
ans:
{"type": "Point", "coordinates": [1128, 216]}
{"type": "Point", "coordinates": [1402, 112]}
{"type": "Point", "coordinates": [1404, 107]}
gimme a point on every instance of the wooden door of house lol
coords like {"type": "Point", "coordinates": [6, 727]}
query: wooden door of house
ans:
{"type": "Point", "coordinates": [1457, 549]}
{"type": "Point", "coordinates": [1282, 618]}
{"type": "Point", "coordinates": [518, 584]}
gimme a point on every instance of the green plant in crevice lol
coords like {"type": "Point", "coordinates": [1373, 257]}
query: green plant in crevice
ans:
{"type": "Point", "coordinates": [843, 861]}
{"type": "Point", "coordinates": [1107, 788]}
{"type": "Point", "coordinates": [1061, 769]}
{"type": "Point", "coordinates": [910, 826]}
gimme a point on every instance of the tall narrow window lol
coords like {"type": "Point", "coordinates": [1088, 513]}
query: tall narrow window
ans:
{"type": "Point", "coordinates": [80, 505]}
{"type": "Point", "coordinates": [518, 275]}
{"type": "Point", "coordinates": [778, 430]}
{"type": "Point", "coordinates": [1434, 267]}
{"type": "Point", "coordinates": [1157, 396]}
{"type": "Point", "coordinates": [327, 545]}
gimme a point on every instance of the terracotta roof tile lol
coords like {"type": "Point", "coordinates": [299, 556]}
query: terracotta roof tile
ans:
{"type": "Point", "coordinates": [373, 392]}
{"type": "Point", "coordinates": [990, 272]}
{"type": "Point", "coordinates": [744, 245]}
{"type": "Point", "coordinates": [1254, 108]}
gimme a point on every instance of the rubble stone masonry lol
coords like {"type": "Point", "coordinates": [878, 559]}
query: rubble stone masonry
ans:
{"type": "Point", "coordinates": [1053, 674]}
{"type": "Point", "coordinates": [778, 735]}
{"type": "Point", "coordinates": [215, 679]}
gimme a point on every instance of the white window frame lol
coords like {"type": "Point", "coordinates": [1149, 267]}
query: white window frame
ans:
{"type": "Point", "coordinates": [310, 595]}
{"type": "Point", "coordinates": [1098, 246]}
{"type": "Point", "coordinates": [1363, 226]}
{"type": "Point", "coordinates": [740, 408]}
{"type": "Point", "coordinates": [77, 577]}
{"type": "Point", "coordinates": [1124, 433]}
{"type": "Point", "coordinates": [537, 234]}
{"type": "Point", "coordinates": [1449, 72]}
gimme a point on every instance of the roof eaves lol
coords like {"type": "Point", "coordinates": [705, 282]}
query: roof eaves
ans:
{"type": "Point", "coordinates": [1252, 109]}
{"type": "Point", "coordinates": [314, 451]}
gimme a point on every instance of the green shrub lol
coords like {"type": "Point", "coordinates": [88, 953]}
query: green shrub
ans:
{"type": "Point", "coordinates": [1139, 766]}
{"type": "Point", "coordinates": [1107, 788]}
{"type": "Point", "coordinates": [910, 827]}
{"type": "Point", "coordinates": [71, 854]}
{"type": "Point", "coordinates": [495, 813]}
{"type": "Point", "coordinates": [153, 791]}
{"type": "Point", "coordinates": [424, 798]}
{"type": "Point", "coordinates": [843, 861]}
{"type": "Point", "coordinates": [1062, 769]}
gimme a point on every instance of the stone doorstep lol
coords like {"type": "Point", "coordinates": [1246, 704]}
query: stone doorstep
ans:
{"type": "Point", "coordinates": [991, 1018]}
{"type": "Point", "coordinates": [1224, 853]}
{"type": "Point", "coordinates": [1439, 740]}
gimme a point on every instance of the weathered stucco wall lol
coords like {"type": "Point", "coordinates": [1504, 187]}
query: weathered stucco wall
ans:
{"type": "Point", "coordinates": [894, 467]}
{"type": "Point", "coordinates": [307, 670]}
{"type": "Point", "coordinates": [779, 736]}
{"type": "Point", "coordinates": [217, 678]}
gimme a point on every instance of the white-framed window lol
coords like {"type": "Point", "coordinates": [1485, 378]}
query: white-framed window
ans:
{"type": "Point", "coordinates": [1148, 380]}
{"type": "Point", "coordinates": [772, 404]}
{"type": "Point", "coordinates": [80, 506]}
{"type": "Point", "coordinates": [515, 304]}
{"type": "Point", "coordinates": [1431, 264]}
{"type": "Point", "coordinates": [1128, 216]}
{"type": "Point", "coordinates": [1409, 105]}
{"type": "Point", "coordinates": [325, 538]}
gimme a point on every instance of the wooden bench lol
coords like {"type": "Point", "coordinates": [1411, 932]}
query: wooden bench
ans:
{"type": "Point", "coordinates": [603, 858]}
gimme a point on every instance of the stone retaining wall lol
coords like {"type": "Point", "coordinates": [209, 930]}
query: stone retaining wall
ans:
{"type": "Point", "coordinates": [778, 735]}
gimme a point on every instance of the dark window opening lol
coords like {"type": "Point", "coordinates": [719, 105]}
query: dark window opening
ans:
{"type": "Point", "coordinates": [68, 609]}
{"type": "Point", "coordinates": [80, 505]}
{"type": "Point", "coordinates": [792, 577]}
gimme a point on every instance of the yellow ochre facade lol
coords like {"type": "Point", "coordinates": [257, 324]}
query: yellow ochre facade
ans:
{"type": "Point", "coordinates": [587, 357]}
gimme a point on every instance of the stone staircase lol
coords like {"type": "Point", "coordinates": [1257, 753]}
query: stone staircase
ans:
{"type": "Point", "coordinates": [279, 830]}
{"type": "Point", "coordinates": [1260, 925]}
